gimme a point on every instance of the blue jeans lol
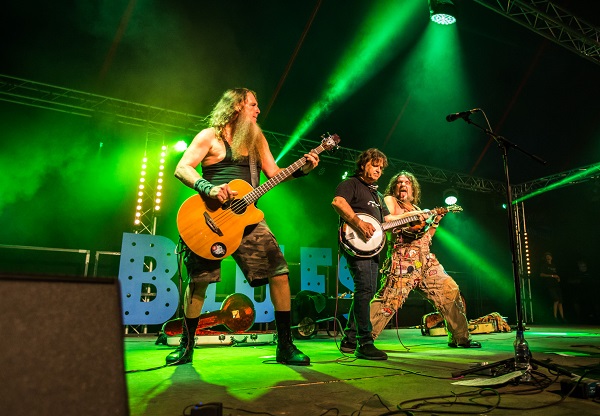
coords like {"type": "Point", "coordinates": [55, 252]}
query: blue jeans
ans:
{"type": "Point", "coordinates": [364, 272]}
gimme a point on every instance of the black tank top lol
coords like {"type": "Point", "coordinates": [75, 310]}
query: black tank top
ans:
{"type": "Point", "coordinates": [227, 169]}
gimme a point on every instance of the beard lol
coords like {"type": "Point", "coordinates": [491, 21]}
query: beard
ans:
{"type": "Point", "coordinates": [246, 139]}
{"type": "Point", "coordinates": [404, 195]}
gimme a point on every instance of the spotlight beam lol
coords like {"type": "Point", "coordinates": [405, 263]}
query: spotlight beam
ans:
{"type": "Point", "coordinates": [374, 45]}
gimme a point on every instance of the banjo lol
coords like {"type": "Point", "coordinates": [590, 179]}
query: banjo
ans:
{"type": "Point", "coordinates": [357, 246]}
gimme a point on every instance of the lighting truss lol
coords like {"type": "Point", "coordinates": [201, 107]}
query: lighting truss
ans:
{"type": "Point", "coordinates": [154, 119]}
{"type": "Point", "coordinates": [577, 175]}
{"type": "Point", "coordinates": [50, 97]}
{"type": "Point", "coordinates": [553, 23]}
{"type": "Point", "coordinates": [345, 157]}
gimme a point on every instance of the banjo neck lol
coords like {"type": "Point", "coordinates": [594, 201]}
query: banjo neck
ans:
{"type": "Point", "coordinates": [356, 245]}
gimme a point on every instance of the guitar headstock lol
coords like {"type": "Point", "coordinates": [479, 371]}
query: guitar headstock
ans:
{"type": "Point", "coordinates": [449, 208]}
{"type": "Point", "coordinates": [330, 142]}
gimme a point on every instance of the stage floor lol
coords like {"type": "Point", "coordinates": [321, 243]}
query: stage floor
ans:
{"type": "Point", "coordinates": [418, 374]}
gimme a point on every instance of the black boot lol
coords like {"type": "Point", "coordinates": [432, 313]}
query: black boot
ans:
{"type": "Point", "coordinates": [287, 353]}
{"type": "Point", "coordinates": [184, 353]}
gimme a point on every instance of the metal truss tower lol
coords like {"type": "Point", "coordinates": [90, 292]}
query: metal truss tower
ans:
{"type": "Point", "coordinates": [150, 187]}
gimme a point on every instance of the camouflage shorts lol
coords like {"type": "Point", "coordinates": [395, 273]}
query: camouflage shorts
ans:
{"type": "Point", "coordinates": [258, 256]}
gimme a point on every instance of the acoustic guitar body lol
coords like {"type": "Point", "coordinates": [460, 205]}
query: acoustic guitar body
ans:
{"type": "Point", "coordinates": [213, 230]}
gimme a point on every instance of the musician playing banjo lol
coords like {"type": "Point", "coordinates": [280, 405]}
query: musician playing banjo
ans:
{"type": "Point", "coordinates": [411, 265]}
{"type": "Point", "coordinates": [361, 211]}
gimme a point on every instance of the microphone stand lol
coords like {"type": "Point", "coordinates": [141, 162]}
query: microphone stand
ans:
{"type": "Point", "coordinates": [522, 359]}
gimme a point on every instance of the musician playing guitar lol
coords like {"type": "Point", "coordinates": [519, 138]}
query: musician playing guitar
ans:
{"type": "Point", "coordinates": [411, 265]}
{"type": "Point", "coordinates": [355, 196]}
{"type": "Point", "coordinates": [227, 151]}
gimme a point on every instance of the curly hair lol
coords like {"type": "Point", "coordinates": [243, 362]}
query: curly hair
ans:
{"type": "Point", "coordinates": [370, 155]}
{"type": "Point", "coordinates": [391, 187]}
{"type": "Point", "coordinates": [227, 109]}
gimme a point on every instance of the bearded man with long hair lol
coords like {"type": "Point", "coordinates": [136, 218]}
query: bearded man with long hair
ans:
{"type": "Point", "coordinates": [410, 265]}
{"type": "Point", "coordinates": [228, 150]}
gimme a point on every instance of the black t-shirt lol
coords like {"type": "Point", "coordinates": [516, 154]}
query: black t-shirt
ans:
{"type": "Point", "coordinates": [362, 198]}
{"type": "Point", "coordinates": [548, 268]}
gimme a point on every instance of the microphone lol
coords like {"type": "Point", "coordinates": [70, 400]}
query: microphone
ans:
{"type": "Point", "coordinates": [463, 114]}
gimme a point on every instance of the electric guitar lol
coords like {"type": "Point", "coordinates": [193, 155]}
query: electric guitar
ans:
{"type": "Point", "coordinates": [355, 245]}
{"type": "Point", "coordinates": [213, 230]}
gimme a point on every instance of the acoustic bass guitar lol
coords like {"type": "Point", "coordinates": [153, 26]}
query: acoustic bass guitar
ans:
{"type": "Point", "coordinates": [355, 245]}
{"type": "Point", "coordinates": [213, 230]}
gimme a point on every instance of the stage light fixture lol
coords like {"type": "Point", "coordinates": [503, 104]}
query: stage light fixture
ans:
{"type": "Point", "coordinates": [450, 196]}
{"type": "Point", "coordinates": [442, 12]}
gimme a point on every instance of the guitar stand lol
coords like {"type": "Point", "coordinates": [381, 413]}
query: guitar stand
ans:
{"type": "Point", "coordinates": [526, 361]}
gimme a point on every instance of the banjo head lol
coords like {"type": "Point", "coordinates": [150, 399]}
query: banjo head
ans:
{"type": "Point", "coordinates": [356, 245]}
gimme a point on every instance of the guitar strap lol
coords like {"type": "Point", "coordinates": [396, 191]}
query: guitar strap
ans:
{"type": "Point", "coordinates": [376, 195]}
{"type": "Point", "coordinates": [380, 205]}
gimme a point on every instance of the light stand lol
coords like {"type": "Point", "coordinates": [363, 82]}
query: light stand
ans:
{"type": "Point", "coordinates": [522, 359]}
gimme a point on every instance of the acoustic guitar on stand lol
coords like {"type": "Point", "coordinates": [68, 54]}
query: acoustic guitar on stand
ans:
{"type": "Point", "coordinates": [355, 245]}
{"type": "Point", "coordinates": [213, 230]}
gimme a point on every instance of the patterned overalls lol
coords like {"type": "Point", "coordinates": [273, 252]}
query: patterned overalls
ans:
{"type": "Point", "coordinates": [410, 265]}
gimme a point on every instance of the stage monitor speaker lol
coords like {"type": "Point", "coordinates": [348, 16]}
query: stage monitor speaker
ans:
{"type": "Point", "coordinates": [61, 351]}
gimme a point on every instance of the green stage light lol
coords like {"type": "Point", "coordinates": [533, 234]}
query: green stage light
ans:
{"type": "Point", "coordinates": [378, 40]}
{"type": "Point", "coordinates": [442, 12]}
{"type": "Point", "coordinates": [476, 259]}
{"type": "Point", "coordinates": [582, 174]}
{"type": "Point", "coordinates": [180, 146]}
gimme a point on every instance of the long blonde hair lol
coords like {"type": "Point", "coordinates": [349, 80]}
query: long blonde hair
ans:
{"type": "Point", "coordinates": [246, 136]}
{"type": "Point", "coordinates": [226, 109]}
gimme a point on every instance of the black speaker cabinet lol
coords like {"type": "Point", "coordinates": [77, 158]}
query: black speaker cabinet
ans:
{"type": "Point", "coordinates": [61, 350]}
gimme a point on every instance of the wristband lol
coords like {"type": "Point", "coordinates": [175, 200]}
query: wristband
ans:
{"type": "Point", "coordinates": [299, 173]}
{"type": "Point", "coordinates": [203, 187]}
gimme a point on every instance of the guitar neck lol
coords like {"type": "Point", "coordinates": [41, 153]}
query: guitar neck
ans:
{"type": "Point", "coordinates": [259, 191]}
{"type": "Point", "coordinates": [401, 221]}
{"type": "Point", "coordinates": [209, 319]}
